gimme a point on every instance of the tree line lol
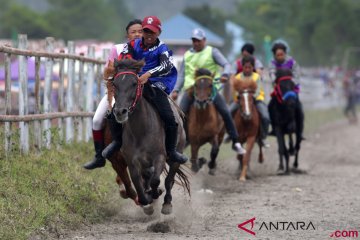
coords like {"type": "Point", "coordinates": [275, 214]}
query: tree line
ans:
{"type": "Point", "coordinates": [318, 31]}
{"type": "Point", "coordinates": [66, 19]}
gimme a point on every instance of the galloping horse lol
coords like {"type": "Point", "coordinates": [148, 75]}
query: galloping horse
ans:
{"type": "Point", "coordinates": [205, 125]}
{"type": "Point", "coordinates": [247, 121]}
{"type": "Point", "coordinates": [284, 110]}
{"type": "Point", "coordinates": [143, 136]}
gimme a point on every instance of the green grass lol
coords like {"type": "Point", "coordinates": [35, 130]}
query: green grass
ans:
{"type": "Point", "coordinates": [50, 190]}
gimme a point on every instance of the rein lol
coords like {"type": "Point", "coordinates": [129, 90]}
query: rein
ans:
{"type": "Point", "coordinates": [139, 88]}
{"type": "Point", "coordinates": [278, 93]}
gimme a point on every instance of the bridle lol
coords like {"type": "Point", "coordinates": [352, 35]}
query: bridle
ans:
{"type": "Point", "coordinates": [139, 88]}
{"type": "Point", "coordinates": [213, 90]}
{"type": "Point", "coordinates": [278, 93]}
{"type": "Point", "coordinates": [245, 93]}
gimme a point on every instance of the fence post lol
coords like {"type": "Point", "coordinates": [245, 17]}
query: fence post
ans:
{"type": "Point", "coordinates": [37, 124]}
{"type": "Point", "coordinates": [80, 101]}
{"type": "Point", "coordinates": [47, 91]}
{"type": "Point", "coordinates": [23, 95]}
{"type": "Point", "coordinates": [7, 102]}
{"type": "Point", "coordinates": [70, 93]}
{"type": "Point", "coordinates": [61, 96]}
{"type": "Point", "coordinates": [89, 92]}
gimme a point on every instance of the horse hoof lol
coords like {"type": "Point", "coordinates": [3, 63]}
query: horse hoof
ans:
{"type": "Point", "coordinates": [212, 171]}
{"type": "Point", "coordinates": [166, 209]}
{"type": "Point", "coordinates": [148, 209]}
{"type": "Point", "coordinates": [194, 168]}
{"type": "Point", "coordinates": [136, 200]}
{"type": "Point", "coordinates": [283, 173]}
{"type": "Point", "coordinates": [242, 179]}
{"type": "Point", "coordinates": [123, 194]}
{"type": "Point", "coordinates": [298, 171]}
{"type": "Point", "coordinates": [202, 161]}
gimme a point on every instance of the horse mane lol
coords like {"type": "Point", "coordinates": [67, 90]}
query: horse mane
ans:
{"type": "Point", "coordinates": [247, 83]}
{"type": "Point", "coordinates": [203, 72]}
{"type": "Point", "coordinates": [113, 67]}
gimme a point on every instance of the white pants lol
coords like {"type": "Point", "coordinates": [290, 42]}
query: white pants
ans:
{"type": "Point", "coordinates": [100, 113]}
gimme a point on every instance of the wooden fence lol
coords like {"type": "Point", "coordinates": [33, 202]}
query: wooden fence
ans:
{"type": "Point", "coordinates": [71, 116]}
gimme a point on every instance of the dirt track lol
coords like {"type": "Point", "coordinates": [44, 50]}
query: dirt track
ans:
{"type": "Point", "coordinates": [327, 196]}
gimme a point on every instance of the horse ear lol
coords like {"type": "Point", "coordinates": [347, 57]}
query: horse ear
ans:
{"type": "Point", "coordinates": [196, 72]}
{"type": "Point", "coordinates": [116, 63]}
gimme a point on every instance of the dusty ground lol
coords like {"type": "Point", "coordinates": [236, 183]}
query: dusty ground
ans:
{"type": "Point", "coordinates": [327, 196]}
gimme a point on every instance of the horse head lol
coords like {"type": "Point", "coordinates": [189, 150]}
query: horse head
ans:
{"type": "Point", "coordinates": [203, 88]}
{"type": "Point", "coordinates": [123, 85]}
{"type": "Point", "coordinates": [246, 89]}
{"type": "Point", "coordinates": [286, 96]}
{"type": "Point", "coordinates": [285, 88]}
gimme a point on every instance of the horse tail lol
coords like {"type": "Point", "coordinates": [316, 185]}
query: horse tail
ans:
{"type": "Point", "coordinates": [182, 178]}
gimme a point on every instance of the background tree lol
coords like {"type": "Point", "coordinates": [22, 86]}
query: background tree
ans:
{"type": "Point", "coordinates": [213, 19]}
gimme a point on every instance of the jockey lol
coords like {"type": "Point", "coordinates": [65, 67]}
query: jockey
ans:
{"type": "Point", "coordinates": [283, 61]}
{"type": "Point", "coordinates": [248, 49]}
{"type": "Point", "coordinates": [133, 30]}
{"type": "Point", "coordinates": [202, 56]}
{"type": "Point", "coordinates": [158, 75]}
{"type": "Point", "coordinates": [248, 64]}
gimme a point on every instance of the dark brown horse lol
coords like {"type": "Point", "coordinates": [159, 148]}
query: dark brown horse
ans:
{"type": "Point", "coordinates": [143, 136]}
{"type": "Point", "coordinates": [205, 125]}
{"type": "Point", "coordinates": [247, 121]}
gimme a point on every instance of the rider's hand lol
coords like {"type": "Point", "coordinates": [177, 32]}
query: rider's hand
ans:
{"type": "Point", "coordinates": [144, 78]}
{"type": "Point", "coordinates": [224, 78]}
{"type": "Point", "coordinates": [174, 95]}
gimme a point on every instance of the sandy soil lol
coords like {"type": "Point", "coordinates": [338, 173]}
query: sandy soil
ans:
{"type": "Point", "coordinates": [327, 196]}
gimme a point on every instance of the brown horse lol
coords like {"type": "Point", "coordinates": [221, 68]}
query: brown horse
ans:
{"type": "Point", "coordinates": [205, 125]}
{"type": "Point", "coordinates": [119, 165]}
{"type": "Point", "coordinates": [247, 121]}
{"type": "Point", "coordinates": [143, 136]}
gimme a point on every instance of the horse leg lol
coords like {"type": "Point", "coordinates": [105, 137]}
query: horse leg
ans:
{"type": "Point", "coordinates": [136, 177]}
{"type": "Point", "coordinates": [119, 165]}
{"type": "Point", "coordinates": [159, 165]}
{"type": "Point", "coordinates": [281, 149]}
{"type": "Point", "coordinates": [213, 154]}
{"type": "Point", "coordinates": [291, 145]}
{"type": "Point", "coordinates": [250, 141]}
{"type": "Point", "coordinates": [169, 182]}
{"type": "Point", "coordinates": [240, 158]}
{"type": "Point", "coordinates": [194, 155]}
{"type": "Point", "coordinates": [147, 175]}
{"type": "Point", "coordinates": [261, 155]}
{"type": "Point", "coordinates": [299, 133]}
{"type": "Point", "coordinates": [297, 148]}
